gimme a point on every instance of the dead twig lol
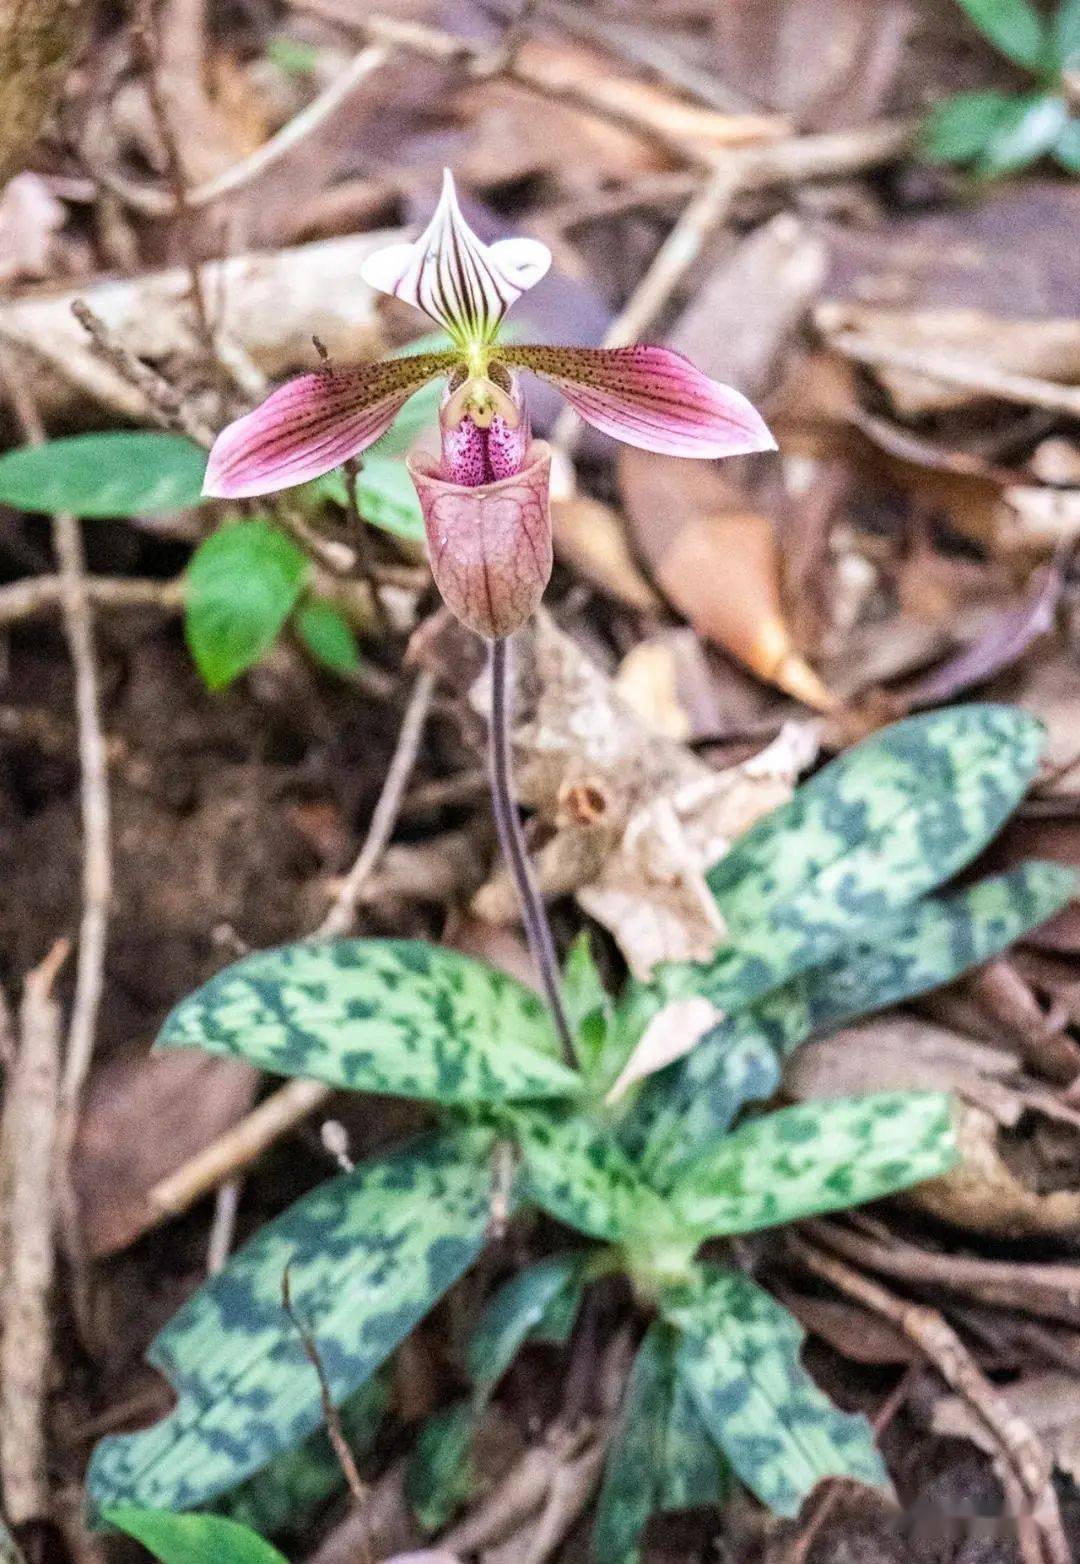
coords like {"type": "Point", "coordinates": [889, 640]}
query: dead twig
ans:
{"type": "Point", "coordinates": [33, 595]}
{"type": "Point", "coordinates": [163, 403]}
{"type": "Point", "coordinates": [1020, 1448]}
{"type": "Point", "coordinates": [29, 1141]}
{"type": "Point", "coordinates": [334, 1431]}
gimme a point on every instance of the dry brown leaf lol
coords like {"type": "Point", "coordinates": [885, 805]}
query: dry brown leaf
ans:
{"type": "Point", "coordinates": [648, 680]}
{"type": "Point", "coordinates": [671, 1033]}
{"type": "Point", "coordinates": [636, 818]}
{"type": "Point", "coordinates": [144, 1116]}
{"type": "Point", "coordinates": [1048, 1403]}
{"type": "Point", "coordinates": [719, 564]}
{"type": "Point", "coordinates": [30, 218]}
{"type": "Point", "coordinates": [591, 537]}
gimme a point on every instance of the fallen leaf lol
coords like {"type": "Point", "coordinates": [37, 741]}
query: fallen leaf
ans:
{"type": "Point", "coordinates": [144, 1116]}
{"type": "Point", "coordinates": [671, 1033]}
{"type": "Point", "coordinates": [30, 218]}
{"type": "Point", "coordinates": [591, 536]}
{"type": "Point", "coordinates": [635, 818]}
{"type": "Point", "coordinates": [1048, 1403]}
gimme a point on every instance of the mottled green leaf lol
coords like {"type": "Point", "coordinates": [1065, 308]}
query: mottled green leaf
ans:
{"type": "Point", "coordinates": [693, 1473]}
{"type": "Point", "coordinates": [291, 1488]}
{"type": "Point", "coordinates": [739, 1361]}
{"type": "Point", "coordinates": [525, 1305]}
{"type": "Point", "coordinates": [241, 586]}
{"type": "Point", "coordinates": [1067, 148]}
{"type": "Point", "coordinates": [696, 1100]}
{"type": "Point", "coordinates": [870, 834]}
{"type": "Point", "coordinates": [328, 636]}
{"type": "Point", "coordinates": [367, 1254]}
{"type": "Point", "coordinates": [136, 473]}
{"type": "Point", "coordinates": [819, 1156]}
{"type": "Point", "coordinates": [957, 129]}
{"type": "Point", "coordinates": [1014, 27]}
{"type": "Point", "coordinates": [440, 1476]}
{"type": "Point", "coordinates": [630, 1490]}
{"type": "Point", "coordinates": [192, 1539]}
{"type": "Point", "coordinates": [395, 1016]}
{"type": "Point", "coordinates": [578, 1173]}
{"type": "Point", "coordinates": [1028, 128]}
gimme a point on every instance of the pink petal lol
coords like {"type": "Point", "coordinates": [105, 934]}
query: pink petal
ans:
{"type": "Point", "coordinates": [649, 397]}
{"type": "Point", "coordinates": [456, 279]}
{"type": "Point", "coordinates": [315, 423]}
{"type": "Point", "coordinates": [489, 545]}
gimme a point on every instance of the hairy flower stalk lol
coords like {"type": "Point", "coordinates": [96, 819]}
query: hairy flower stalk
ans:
{"type": "Point", "coordinates": [485, 500]}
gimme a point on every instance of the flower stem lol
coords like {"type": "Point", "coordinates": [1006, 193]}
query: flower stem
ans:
{"type": "Point", "coordinates": [512, 840]}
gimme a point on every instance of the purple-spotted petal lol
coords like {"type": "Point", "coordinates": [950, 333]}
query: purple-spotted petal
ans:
{"type": "Point", "coordinates": [456, 279]}
{"type": "Point", "coordinates": [649, 397]}
{"type": "Point", "coordinates": [314, 423]}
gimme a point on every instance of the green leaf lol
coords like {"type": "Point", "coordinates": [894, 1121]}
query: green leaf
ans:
{"type": "Point", "coordinates": [241, 586]}
{"type": "Point", "coordinates": [739, 1361]}
{"type": "Point", "coordinates": [292, 1487]}
{"type": "Point", "coordinates": [819, 1156]}
{"type": "Point", "coordinates": [630, 1490]}
{"type": "Point", "coordinates": [957, 129]}
{"type": "Point", "coordinates": [104, 475]}
{"type": "Point", "coordinates": [694, 1473]}
{"type": "Point", "coordinates": [696, 1100]}
{"type": "Point", "coordinates": [441, 1476]}
{"type": "Point", "coordinates": [870, 834]}
{"type": "Point", "coordinates": [192, 1539]}
{"type": "Point", "coordinates": [384, 494]}
{"type": "Point", "coordinates": [381, 1015]}
{"type": "Point", "coordinates": [292, 56]}
{"type": "Point", "coordinates": [368, 1254]}
{"type": "Point", "coordinates": [1067, 149]}
{"type": "Point", "coordinates": [1029, 127]}
{"type": "Point", "coordinates": [524, 1306]}
{"type": "Point", "coordinates": [1066, 35]}
{"type": "Point", "coordinates": [1014, 27]}
{"type": "Point", "coordinates": [327, 635]}
{"type": "Point", "coordinates": [588, 1005]}
{"type": "Point", "coordinates": [580, 1175]}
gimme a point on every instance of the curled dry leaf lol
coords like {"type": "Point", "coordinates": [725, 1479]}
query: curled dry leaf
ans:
{"type": "Point", "coordinates": [671, 1033]}
{"type": "Point", "coordinates": [636, 818]}
{"type": "Point", "coordinates": [982, 1194]}
{"type": "Point", "coordinates": [719, 563]}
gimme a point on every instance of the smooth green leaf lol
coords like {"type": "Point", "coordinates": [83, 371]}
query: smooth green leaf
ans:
{"type": "Point", "coordinates": [1030, 127]}
{"type": "Point", "coordinates": [327, 635]}
{"type": "Point", "coordinates": [102, 475]}
{"type": "Point", "coordinates": [441, 1476]}
{"type": "Point", "coordinates": [384, 494]}
{"type": "Point", "coordinates": [696, 1100]}
{"type": "Point", "coordinates": [192, 1539]}
{"type": "Point", "coordinates": [819, 1156]}
{"type": "Point", "coordinates": [525, 1305]}
{"type": "Point", "coordinates": [870, 834]}
{"type": "Point", "coordinates": [630, 1490]}
{"type": "Point", "coordinates": [1067, 148]}
{"type": "Point", "coordinates": [588, 1005]}
{"type": "Point", "coordinates": [1014, 27]}
{"type": "Point", "coordinates": [241, 586]}
{"type": "Point", "coordinates": [381, 1015]}
{"type": "Point", "coordinates": [292, 56]}
{"type": "Point", "coordinates": [957, 129]}
{"type": "Point", "coordinates": [1066, 35]}
{"type": "Point", "coordinates": [292, 1487]}
{"type": "Point", "coordinates": [367, 1254]}
{"type": "Point", "coordinates": [739, 1361]}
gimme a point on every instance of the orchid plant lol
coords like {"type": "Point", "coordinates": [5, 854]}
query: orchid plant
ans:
{"type": "Point", "coordinates": [486, 499]}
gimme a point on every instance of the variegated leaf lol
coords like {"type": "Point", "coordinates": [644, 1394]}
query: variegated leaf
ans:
{"type": "Point", "coordinates": [819, 1156]}
{"type": "Point", "coordinates": [394, 1016]}
{"type": "Point", "coordinates": [739, 1361]}
{"type": "Point", "coordinates": [579, 1174]}
{"type": "Point", "coordinates": [926, 945]}
{"type": "Point", "coordinates": [873, 832]}
{"type": "Point", "coordinates": [367, 1256]}
{"type": "Point", "coordinates": [541, 1299]}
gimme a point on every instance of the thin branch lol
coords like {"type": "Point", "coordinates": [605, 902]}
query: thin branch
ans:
{"type": "Point", "coordinates": [33, 595]}
{"type": "Point", "coordinates": [30, 1128]}
{"type": "Point", "coordinates": [164, 404]}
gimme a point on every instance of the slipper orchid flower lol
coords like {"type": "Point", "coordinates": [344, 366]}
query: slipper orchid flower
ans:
{"type": "Point", "coordinates": [485, 502]}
